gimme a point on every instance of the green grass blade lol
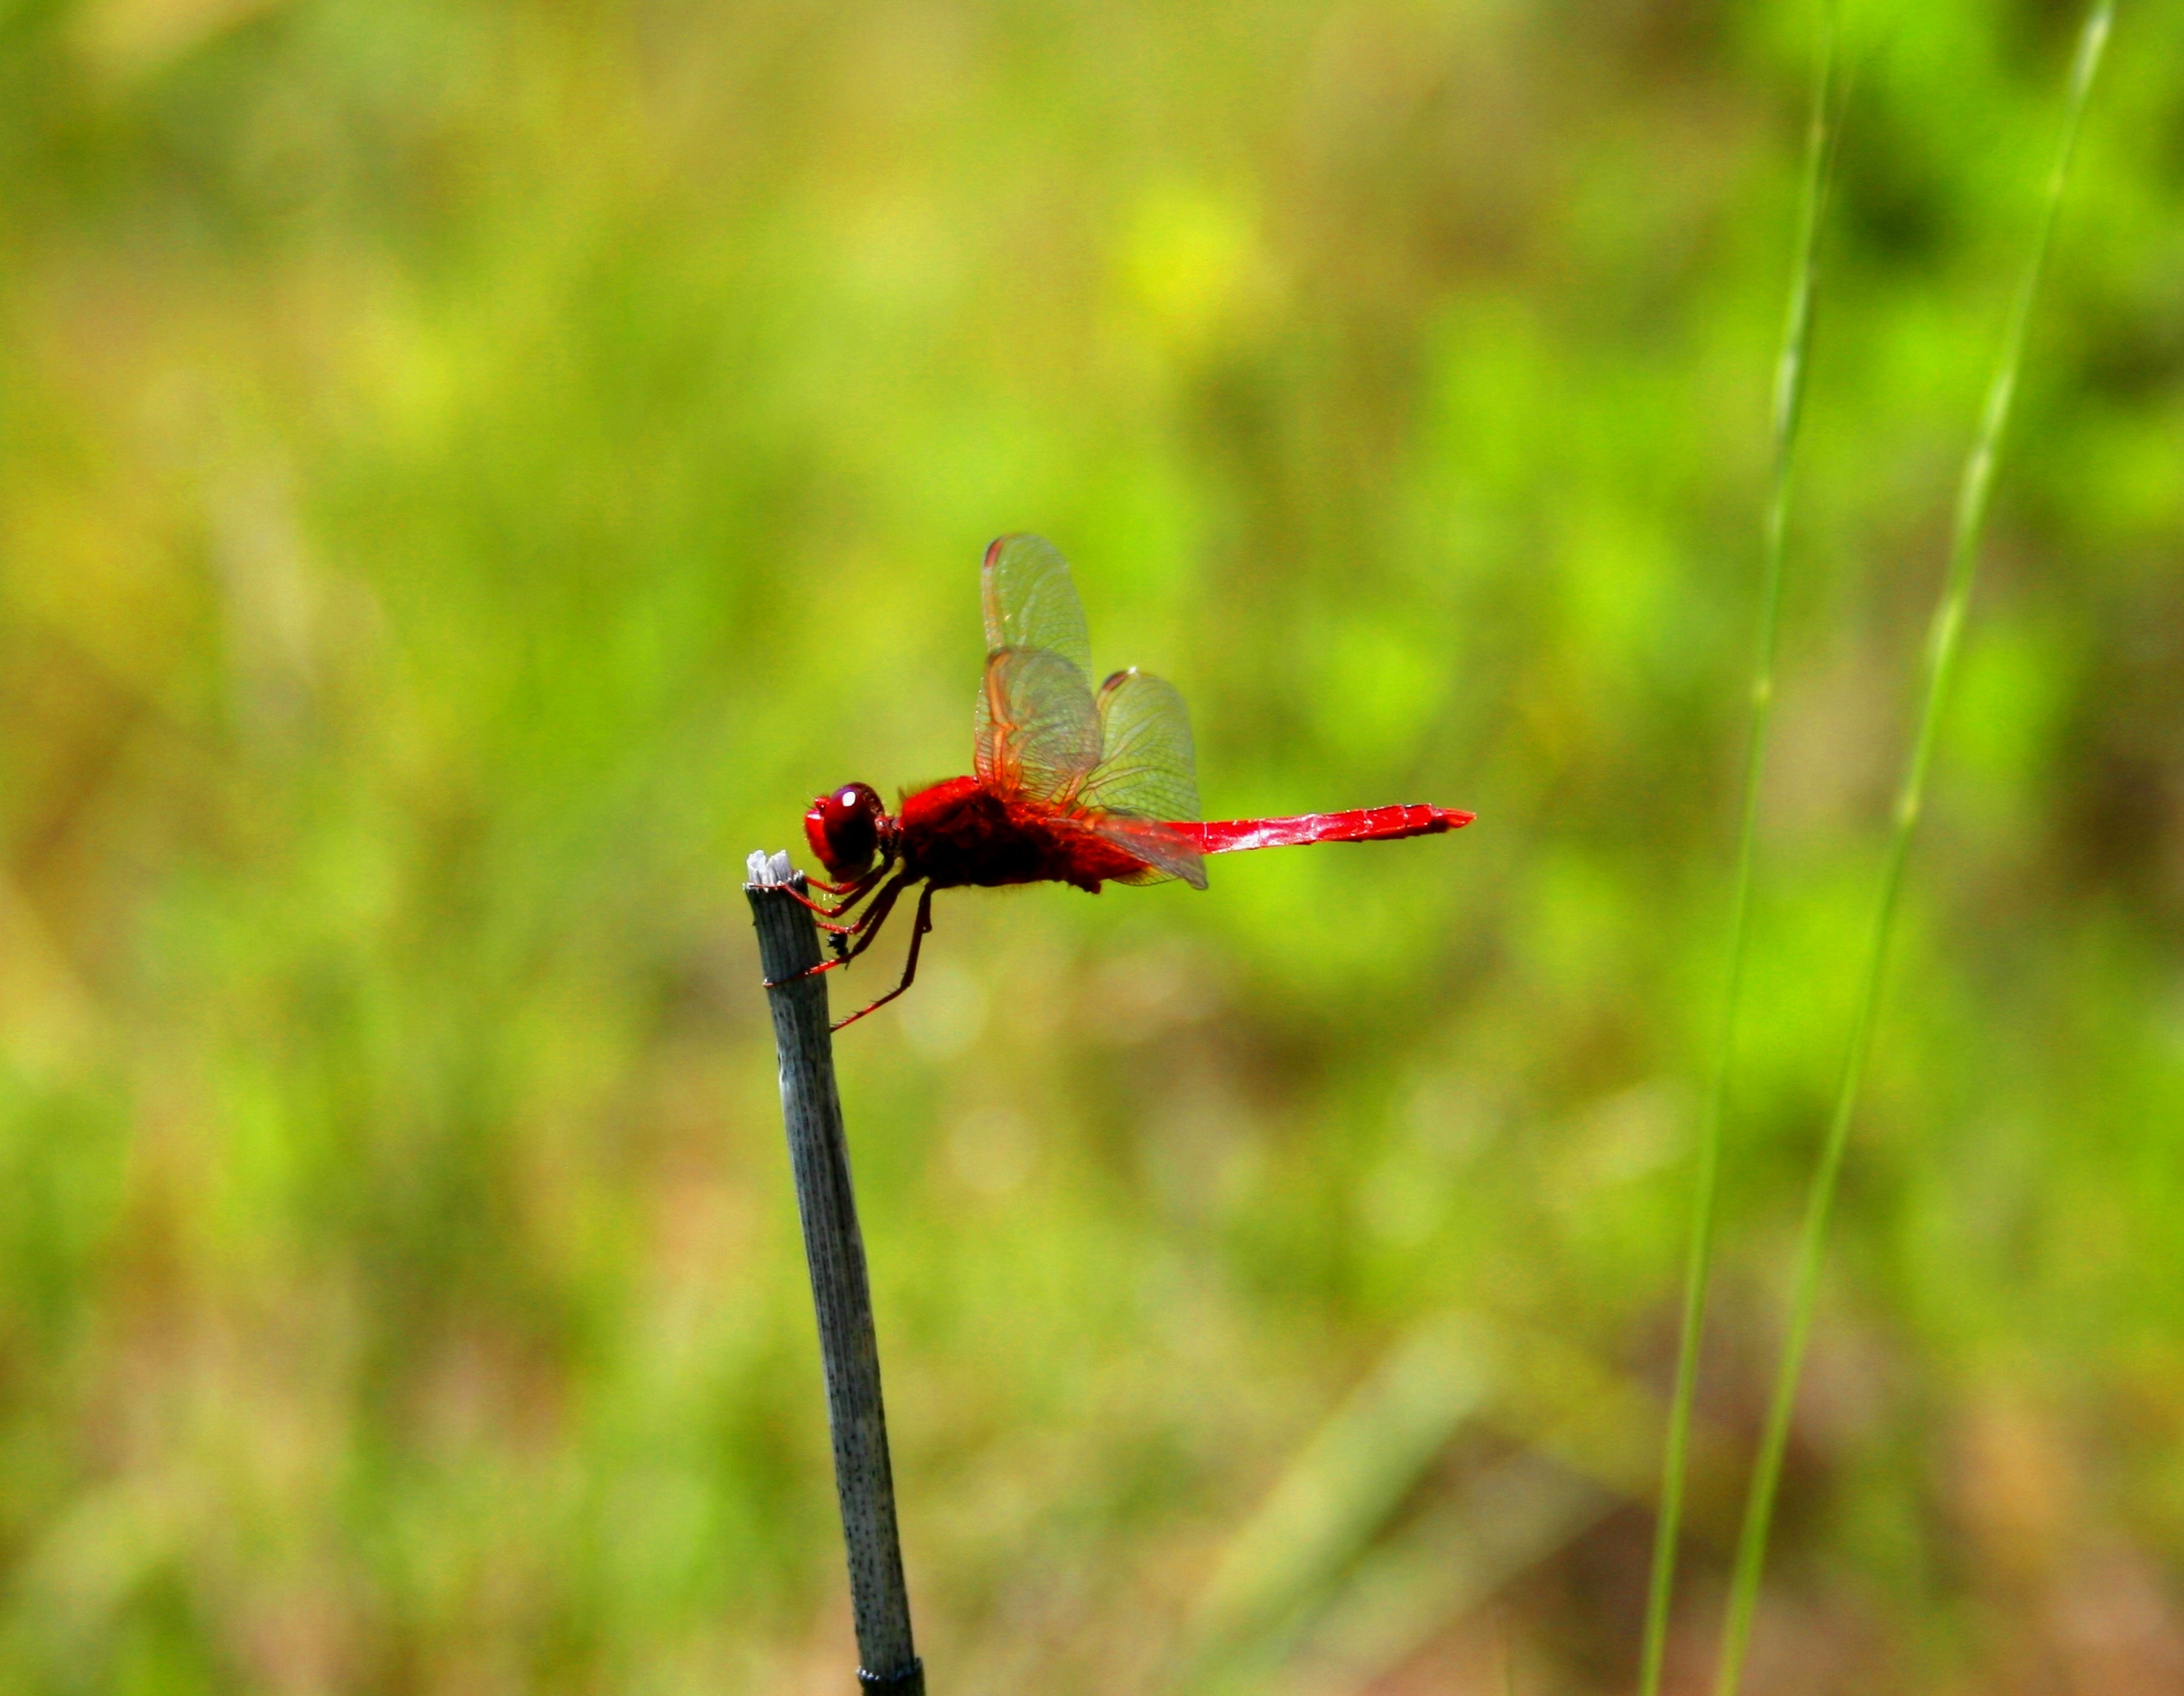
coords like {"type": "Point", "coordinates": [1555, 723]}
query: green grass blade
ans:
{"type": "Point", "coordinates": [1788, 408]}
{"type": "Point", "coordinates": [1972, 501]}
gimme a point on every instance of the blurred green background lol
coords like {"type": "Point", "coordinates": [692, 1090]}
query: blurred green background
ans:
{"type": "Point", "coordinates": [469, 473]}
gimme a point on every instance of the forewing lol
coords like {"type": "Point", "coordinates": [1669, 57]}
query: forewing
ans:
{"type": "Point", "coordinates": [1038, 730]}
{"type": "Point", "coordinates": [1146, 767]}
{"type": "Point", "coordinates": [1031, 602]}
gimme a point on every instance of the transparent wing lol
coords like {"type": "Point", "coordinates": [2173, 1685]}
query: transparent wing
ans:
{"type": "Point", "coordinates": [1168, 849]}
{"type": "Point", "coordinates": [1146, 785]}
{"type": "Point", "coordinates": [1038, 730]}
{"type": "Point", "coordinates": [1146, 767]}
{"type": "Point", "coordinates": [1031, 602]}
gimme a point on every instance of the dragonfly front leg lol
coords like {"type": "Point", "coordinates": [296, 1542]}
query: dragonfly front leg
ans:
{"type": "Point", "coordinates": [856, 886]}
{"type": "Point", "coordinates": [851, 893]}
{"type": "Point", "coordinates": [910, 967]}
{"type": "Point", "coordinates": [866, 927]}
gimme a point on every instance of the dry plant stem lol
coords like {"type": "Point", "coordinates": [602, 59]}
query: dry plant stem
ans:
{"type": "Point", "coordinates": [1788, 408]}
{"type": "Point", "coordinates": [1941, 661]}
{"type": "Point", "coordinates": [833, 1250]}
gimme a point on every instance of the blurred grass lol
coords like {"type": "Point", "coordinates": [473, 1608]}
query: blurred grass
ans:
{"type": "Point", "coordinates": [469, 473]}
{"type": "Point", "coordinates": [1967, 537]}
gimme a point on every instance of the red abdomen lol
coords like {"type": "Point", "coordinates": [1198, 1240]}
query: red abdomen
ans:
{"type": "Point", "coordinates": [1364, 824]}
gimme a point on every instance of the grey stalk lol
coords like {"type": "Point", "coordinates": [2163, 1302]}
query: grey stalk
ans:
{"type": "Point", "coordinates": [834, 1250]}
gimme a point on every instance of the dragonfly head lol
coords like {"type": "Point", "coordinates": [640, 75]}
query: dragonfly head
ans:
{"type": "Point", "coordinates": [845, 829]}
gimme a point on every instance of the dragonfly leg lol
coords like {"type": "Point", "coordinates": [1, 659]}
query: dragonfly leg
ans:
{"type": "Point", "coordinates": [851, 893]}
{"type": "Point", "coordinates": [866, 927]}
{"type": "Point", "coordinates": [910, 967]}
{"type": "Point", "coordinates": [825, 917]}
{"type": "Point", "coordinates": [867, 924]}
{"type": "Point", "coordinates": [856, 886]}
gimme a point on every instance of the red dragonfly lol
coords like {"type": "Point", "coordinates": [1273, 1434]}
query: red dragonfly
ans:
{"type": "Point", "coordinates": [1070, 784]}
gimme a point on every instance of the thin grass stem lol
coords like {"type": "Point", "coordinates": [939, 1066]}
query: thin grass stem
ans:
{"type": "Point", "coordinates": [1788, 410]}
{"type": "Point", "coordinates": [1972, 500]}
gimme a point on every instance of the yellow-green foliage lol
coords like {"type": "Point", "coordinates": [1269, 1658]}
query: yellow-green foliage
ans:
{"type": "Point", "coordinates": [469, 473]}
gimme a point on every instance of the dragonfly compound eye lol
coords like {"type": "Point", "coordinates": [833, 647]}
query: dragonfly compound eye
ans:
{"type": "Point", "coordinates": [844, 830]}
